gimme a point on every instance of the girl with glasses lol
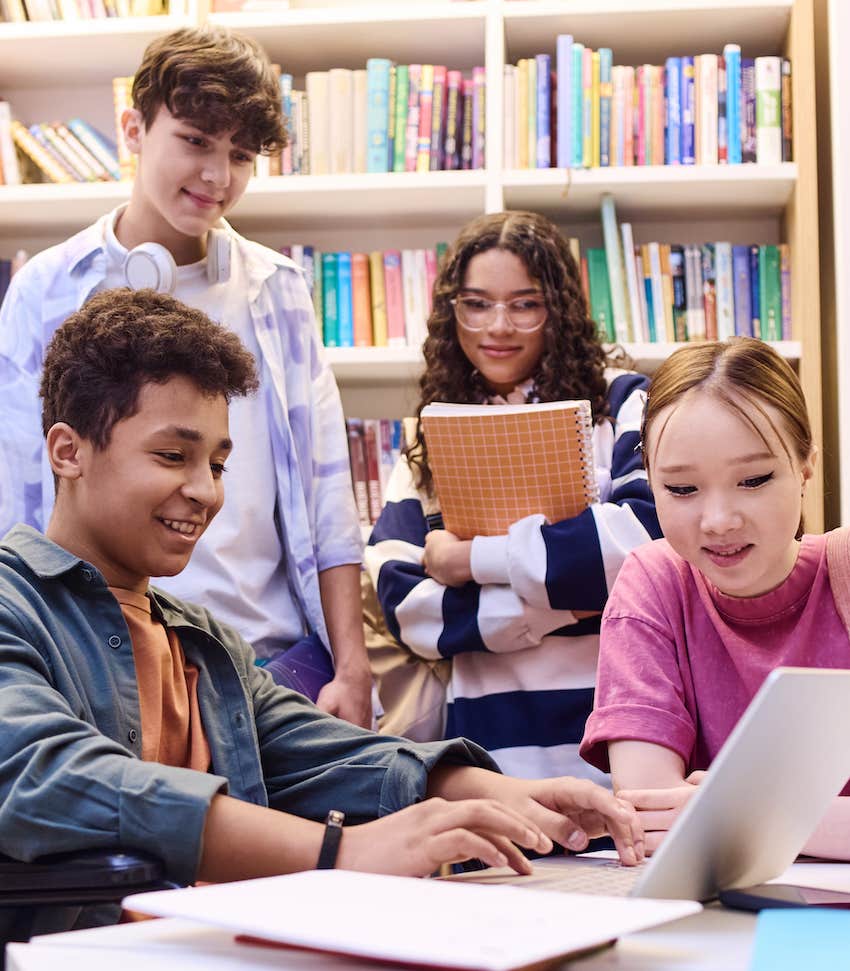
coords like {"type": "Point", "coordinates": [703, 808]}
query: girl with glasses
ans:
{"type": "Point", "coordinates": [510, 324]}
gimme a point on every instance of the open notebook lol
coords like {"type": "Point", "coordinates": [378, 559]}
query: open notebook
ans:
{"type": "Point", "coordinates": [495, 464]}
{"type": "Point", "coordinates": [423, 923]}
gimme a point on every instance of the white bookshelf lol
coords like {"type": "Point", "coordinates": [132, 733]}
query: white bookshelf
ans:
{"type": "Point", "coordinates": [61, 70]}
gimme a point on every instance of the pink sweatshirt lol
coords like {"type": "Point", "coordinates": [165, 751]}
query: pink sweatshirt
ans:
{"type": "Point", "coordinates": [679, 661]}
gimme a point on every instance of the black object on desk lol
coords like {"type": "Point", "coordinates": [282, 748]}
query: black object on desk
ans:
{"type": "Point", "coordinates": [766, 895]}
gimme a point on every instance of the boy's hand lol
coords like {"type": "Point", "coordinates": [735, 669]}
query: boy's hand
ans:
{"type": "Point", "coordinates": [569, 811]}
{"type": "Point", "coordinates": [658, 809]}
{"type": "Point", "coordinates": [447, 558]}
{"type": "Point", "coordinates": [348, 697]}
{"type": "Point", "coordinates": [417, 840]}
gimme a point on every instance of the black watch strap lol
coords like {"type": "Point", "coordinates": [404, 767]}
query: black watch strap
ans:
{"type": "Point", "coordinates": [330, 842]}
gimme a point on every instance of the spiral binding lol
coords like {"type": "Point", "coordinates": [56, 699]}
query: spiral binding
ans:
{"type": "Point", "coordinates": [584, 430]}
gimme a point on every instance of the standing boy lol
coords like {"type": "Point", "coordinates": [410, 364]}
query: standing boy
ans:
{"type": "Point", "coordinates": [129, 718]}
{"type": "Point", "coordinates": [282, 563]}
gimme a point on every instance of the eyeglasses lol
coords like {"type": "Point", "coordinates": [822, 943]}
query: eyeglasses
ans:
{"type": "Point", "coordinates": [523, 313]}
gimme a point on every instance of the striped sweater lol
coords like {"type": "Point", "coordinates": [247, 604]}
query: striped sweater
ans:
{"type": "Point", "coordinates": [523, 666]}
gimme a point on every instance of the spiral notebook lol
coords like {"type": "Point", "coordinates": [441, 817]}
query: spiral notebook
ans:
{"type": "Point", "coordinates": [495, 464]}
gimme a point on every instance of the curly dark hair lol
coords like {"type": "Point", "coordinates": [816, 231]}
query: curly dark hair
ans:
{"type": "Point", "coordinates": [119, 340]}
{"type": "Point", "coordinates": [216, 79]}
{"type": "Point", "coordinates": [573, 359]}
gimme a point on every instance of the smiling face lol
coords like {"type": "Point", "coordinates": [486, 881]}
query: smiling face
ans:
{"type": "Point", "coordinates": [187, 180]}
{"type": "Point", "coordinates": [136, 508]}
{"type": "Point", "coordinates": [728, 496]}
{"type": "Point", "coordinates": [503, 355]}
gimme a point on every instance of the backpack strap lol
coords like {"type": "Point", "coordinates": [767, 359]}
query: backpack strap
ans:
{"type": "Point", "coordinates": [838, 564]}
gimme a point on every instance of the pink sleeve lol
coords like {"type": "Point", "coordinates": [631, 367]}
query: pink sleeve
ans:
{"type": "Point", "coordinates": [640, 694]}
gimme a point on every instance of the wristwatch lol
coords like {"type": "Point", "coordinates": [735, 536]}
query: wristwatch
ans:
{"type": "Point", "coordinates": [330, 842]}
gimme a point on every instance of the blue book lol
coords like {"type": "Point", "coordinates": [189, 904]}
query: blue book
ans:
{"type": "Point", "coordinates": [285, 82]}
{"type": "Point", "coordinates": [544, 111]}
{"type": "Point", "coordinates": [578, 105]}
{"type": "Point", "coordinates": [564, 110]}
{"type": "Point", "coordinates": [732, 53]}
{"type": "Point", "coordinates": [688, 108]}
{"type": "Point", "coordinates": [330, 310]}
{"type": "Point", "coordinates": [743, 292]}
{"type": "Point", "coordinates": [606, 94]}
{"type": "Point", "coordinates": [391, 96]}
{"type": "Point", "coordinates": [755, 293]}
{"type": "Point", "coordinates": [377, 112]}
{"type": "Point", "coordinates": [345, 314]}
{"type": "Point", "coordinates": [673, 129]}
{"type": "Point", "coordinates": [650, 308]}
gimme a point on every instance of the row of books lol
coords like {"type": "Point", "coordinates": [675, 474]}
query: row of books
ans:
{"type": "Point", "coordinates": [374, 445]}
{"type": "Point", "coordinates": [706, 109]}
{"type": "Point", "coordinates": [20, 11]}
{"type": "Point", "coordinates": [377, 299]}
{"type": "Point", "coordinates": [8, 268]}
{"type": "Point", "coordinates": [667, 292]}
{"type": "Point", "coordinates": [69, 151]}
{"type": "Point", "coordinates": [386, 118]}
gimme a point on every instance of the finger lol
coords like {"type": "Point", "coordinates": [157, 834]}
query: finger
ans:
{"type": "Point", "coordinates": [618, 815]}
{"type": "Point", "coordinates": [656, 820]}
{"type": "Point", "coordinates": [696, 777]}
{"type": "Point", "coordinates": [495, 819]}
{"type": "Point", "coordinates": [459, 845]}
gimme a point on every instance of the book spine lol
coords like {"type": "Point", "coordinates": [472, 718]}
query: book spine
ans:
{"type": "Point", "coordinates": [345, 318]}
{"type": "Point", "coordinates": [564, 90]}
{"type": "Point", "coordinates": [359, 471]}
{"type": "Point", "coordinates": [639, 331]}
{"type": "Point", "coordinates": [732, 56]}
{"type": "Point", "coordinates": [743, 304]}
{"type": "Point", "coordinates": [722, 114]}
{"type": "Point", "coordinates": [402, 95]}
{"type": "Point", "coordinates": [673, 141]}
{"type": "Point", "coordinates": [606, 96]}
{"type": "Point", "coordinates": [466, 141]}
{"type": "Point", "coordinates": [771, 293]}
{"type": "Point", "coordinates": [748, 109]}
{"type": "Point", "coordinates": [768, 110]}
{"type": "Point", "coordinates": [437, 160]}
{"type": "Point", "coordinates": [379, 300]}
{"type": "Point", "coordinates": [577, 86]}
{"type": "Point", "coordinates": [522, 114]}
{"type": "Point", "coordinates": [587, 107]}
{"type": "Point", "coordinates": [360, 122]}
{"type": "Point", "coordinates": [386, 462]}
{"type": "Point", "coordinates": [38, 154]}
{"type": "Point", "coordinates": [785, 289]}
{"type": "Point", "coordinates": [666, 275]}
{"type": "Point", "coordinates": [426, 101]}
{"type": "Point", "coordinates": [317, 107]}
{"type": "Point", "coordinates": [614, 260]}
{"type": "Point", "coordinates": [680, 304]}
{"type": "Point", "coordinates": [694, 293]}
{"type": "Point", "coordinates": [709, 291]}
{"type": "Point", "coordinates": [285, 83]}
{"type": "Point", "coordinates": [304, 134]}
{"type": "Point", "coordinates": [361, 301]}
{"type": "Point", "coordinates": [454, 81]}
{"type": "Point", "coordinates": [543, 121]}
{"type": "Point", "coordinates": [8, 155]}
{"type": "Point", "coordinates": [92, 166]}
{"type": "Point", "coordinates": [430, 279]}
{"type": "Point", "coordinates": [479, 115]}
{"type": "Point", "coordinates": [657, 114]}
{"type": "Point", "coordinates": [55, 147]}
{"type": "Point", "coordinates": [509, 114]}
{"type": "Point", "coordinates": [410, 295]}
{"type": "Point", "coordinates": [411, 141]}
{"type": "Point", "coordinates": [787, 113]}
{"type": "Point", "coordinates": [594, 111]}
{"type": "Point", "coordinates": [628, 116]}
{"type": "Point", "coordinates": [725, 284]}
{"type": "Point", "coordinates": [378, 89]}
{"type": "Point", "coordinates": [686, 92]}
{"type": "Point", "coordinates": [707, 109]}
{"type": "Point", "coordinates": [390, 123]}
{"type": "Point", "coordinates": [394, 295]}
{"type": "Point", "coordinates": [755, 291]}
{"type": "Point", "coordinates": [371, 437]}
{"type": "Point", "coordinates": [330, 306]}
{"type": "Point", "coordinates": [600, 294]}
{"type": "Point", "coordinates": [530, 133]}
{"type": "Point", "coordinates": [646, 277]}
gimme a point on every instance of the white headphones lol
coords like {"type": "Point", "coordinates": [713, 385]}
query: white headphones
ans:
{"type": "Point", "coordinates": [152, 265]}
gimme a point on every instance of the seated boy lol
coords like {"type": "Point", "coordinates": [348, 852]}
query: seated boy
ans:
{"type": "Point", "coordinates": [131, 719]}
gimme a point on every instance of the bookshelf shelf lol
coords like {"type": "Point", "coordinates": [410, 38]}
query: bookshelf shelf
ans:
{"type": "Point", "coordinates": [77, 52]}
{"type": "Point", "coordinates": [658, 190]}
{"type": "Point", "coordinates": [66, 67]}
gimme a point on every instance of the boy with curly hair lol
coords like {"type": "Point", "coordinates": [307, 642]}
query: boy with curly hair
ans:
{"type": "Point", "coordinates": [282, 563]}
{"type": "Point", "coordinates": [130, 718]}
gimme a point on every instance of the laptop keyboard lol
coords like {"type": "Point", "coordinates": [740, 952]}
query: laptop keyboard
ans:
{"type": "Point", "coordinates": [604, 877]}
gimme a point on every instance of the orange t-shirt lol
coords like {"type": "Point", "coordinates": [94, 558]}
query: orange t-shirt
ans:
{"type": "Point", "coordinates": [172, 730]}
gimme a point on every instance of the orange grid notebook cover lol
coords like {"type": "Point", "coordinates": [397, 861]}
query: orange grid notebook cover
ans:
{"type": "Point", "coordinates": [495, 464]}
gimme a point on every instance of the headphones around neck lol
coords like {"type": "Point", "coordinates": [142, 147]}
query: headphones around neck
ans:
{"type": "Point", "coordinates": [151, 265]}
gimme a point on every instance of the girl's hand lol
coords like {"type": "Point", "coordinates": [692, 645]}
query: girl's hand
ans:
{"type": "Point", "coordinates": [659, 808]}
{"type": "Point", "coordinates": [417, 840]}
{"type": "Point", "coordinates": [447, 558]}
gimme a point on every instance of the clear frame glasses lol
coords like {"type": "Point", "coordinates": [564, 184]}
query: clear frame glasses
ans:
{"type": "Point", "coordinates": [523, 313]}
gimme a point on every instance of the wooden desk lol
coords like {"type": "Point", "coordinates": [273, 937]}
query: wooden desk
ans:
{"type": "Point", "coordinates": [714, 939]}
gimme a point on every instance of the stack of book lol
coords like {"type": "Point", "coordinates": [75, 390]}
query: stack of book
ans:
{"type": "Point", "coordinates": [58, 151]}
{"type": "Point", "coordinates": [377, 299]}
{"type": "Point", "coordinates": [18, 11]}
{"type": "Point", "coordinates": [374, 445]}
{"type": "Point", "coordinates": [706, 109]}
{"type": "Point", "coordinates": [668, 292]}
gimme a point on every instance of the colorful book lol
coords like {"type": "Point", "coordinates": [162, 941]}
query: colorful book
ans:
{"type": "Point", "coordinates": [454, 105]}
{"type": "Point", "coordinates": [371, 440]}
{"type": "Point", "coordinates": [378, 91]}
{"type": "Point", "coordinates": [680, 301]}
{"type": "Point", "coordinates": [748, 109]}
{"type": "Point", "coordinates": [361, 300]}
{"type": "Point", "coordinates": [694, 293]}
{"type": "Point", "coordinates": [743, 302]}
{"type": "Point", "coordinates": [722, 114]}
{"type": "Point", "coordinates": [633, 284]}
{"type": "Point", "coordinates": [725, 288]}
{"type": "Point", "coordinates": [709, 290]}
{"type": "Point", "coordinates": [411, 142]}
{"type": "Point", "coordinates": [377, 293]}
{"type": "Point", "coordinates": [587, 107]}
{"type": "Point", "coordinates": [359, 470]}
{"type": "Point", "coordinates": [468, 124]}
{"type": "Point", "coordinates": [394, 296]}
{"type": "Point", "coordinates": [316, 83]}
{"type": "Point", "coordinates": [732, 56]}
{"type": "Point", "coordinates": [606, 94]}
{"type": "Point", "coordinates": [785, 289]}
{"type": "Point", "coordinates": [577, 86]}
{"type": "Point", "coordinates": [479, 117]}
{"type": "Point", "coordinates": [770, 293]}
{"type": "Point", "coordinates": [438, 119]}
{"type": "Point", "coordinates": [391, 100]}
{"type": "Point", "coordinates": [37, 153]}
{"type": "Point", "coordinates": [787, 112]}
{"type": "Point", "coordinates": [673, 141]}
{"type": "Point", "coordinates": [706, 64]}
{"type": "Point", "coordinates": [345, 317]}
{"type": "Point", "coordinates": [768, 76]}
{"type": "Point", "coordinates": [426, 101]}
{"type": "Point", "coordinates": [755, 291]}
{"type": "Point", "coordinates": [563, 62]}
{"type": "Point", "coordinates": [543, 147]}
{"type": "Point", "coordinates": [600, 293]}
{"type": "Point", "coordinates": [402, 93]}
{"type": "Point", "coordinates": [360, 123]}
{"type": "Point", "coordinates": [493, 465]}
{"type": "Point", "coordinates": [687, 95]}
{"type": "Point", "coordinates": [522, 114]}
{"type": "Point", "coordinates": [330, 302]}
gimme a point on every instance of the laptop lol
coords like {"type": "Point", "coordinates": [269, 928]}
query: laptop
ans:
{"type": "Point", "coordinates": [762, 798]}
